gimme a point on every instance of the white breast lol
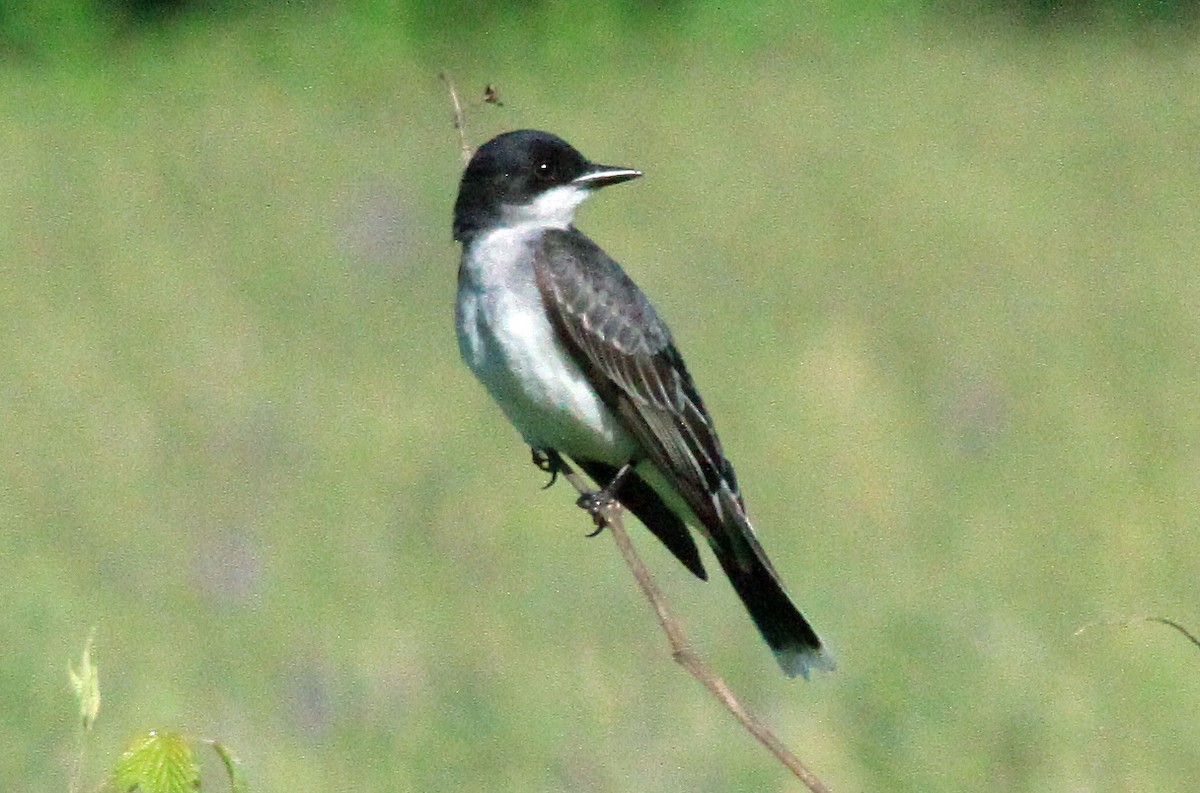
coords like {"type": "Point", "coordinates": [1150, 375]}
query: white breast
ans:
{"type": "Point", "coordinates": [507, 341]}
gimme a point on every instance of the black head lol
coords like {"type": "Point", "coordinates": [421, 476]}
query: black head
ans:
{"type": "Point", "coordinates": [527, 176]}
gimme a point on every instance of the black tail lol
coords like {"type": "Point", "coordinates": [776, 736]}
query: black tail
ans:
{"type": "Point", "coordinates": [793, 641]}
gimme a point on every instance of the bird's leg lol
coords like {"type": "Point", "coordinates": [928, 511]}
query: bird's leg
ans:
{"type": "Point", "coordinates": [549, 461]}
{"type": "Point", "coordinates": [598, 500]}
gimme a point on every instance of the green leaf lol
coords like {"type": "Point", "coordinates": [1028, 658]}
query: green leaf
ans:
{"type": "Point", "coordinates": [157, 762]}
{"type": "Point", "coordinates": [233, 766]}
{"type": "Point", "coordinates": [86, 683]}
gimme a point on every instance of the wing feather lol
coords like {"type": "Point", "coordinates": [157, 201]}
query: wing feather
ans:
{"type": "Point", "coordinates": [631, 359]}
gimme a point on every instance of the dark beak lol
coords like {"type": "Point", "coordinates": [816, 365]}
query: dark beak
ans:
{"type": "Point", "coordinates": [597, 176]}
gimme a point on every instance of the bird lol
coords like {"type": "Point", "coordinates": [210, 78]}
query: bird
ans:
{"type": "Point", "coordinates": [584, 368]}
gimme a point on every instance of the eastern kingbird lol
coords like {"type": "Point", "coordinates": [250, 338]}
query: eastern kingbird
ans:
{"type": "Point", "coordinates": [582, 365]}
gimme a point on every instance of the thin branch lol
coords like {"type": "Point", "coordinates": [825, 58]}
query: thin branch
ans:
{"type": "Point", "coordinates": [1173, 624]}
{"type": "Point", "coordinates": [681, 649]}
{"type": "Point", "coordinates": [1170, 623]}
{"type": "Point", "coordinates": [460, 122]}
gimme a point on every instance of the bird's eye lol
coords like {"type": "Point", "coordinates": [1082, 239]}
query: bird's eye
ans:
{"type": "Point", "coordinates": [544, 171]}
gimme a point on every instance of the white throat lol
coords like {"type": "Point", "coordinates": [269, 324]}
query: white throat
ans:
{"type": "Point", "coordinates": [553, 209]}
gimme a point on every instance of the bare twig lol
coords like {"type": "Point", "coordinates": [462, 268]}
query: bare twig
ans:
{"type": "Point", "coordinates": [1131, 620]}
{"type": "Point", "coordinates": [460, 122]}
{"type": "Point", "coordinates": [681, 649]}
{"type": "Point", "coordinates": [1191, 637]}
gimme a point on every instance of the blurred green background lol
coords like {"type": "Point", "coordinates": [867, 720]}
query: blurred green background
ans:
{"type": "Point", "coordinates": [952, 254]}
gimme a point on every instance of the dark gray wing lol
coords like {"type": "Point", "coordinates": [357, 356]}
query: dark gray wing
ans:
{"type": "Point", "coordinates": [629, 356]}
{"type": "Point", "coordinates": [627, 353]}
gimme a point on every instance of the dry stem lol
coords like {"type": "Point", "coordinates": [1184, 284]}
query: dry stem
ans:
{"type": "Point", "coordinates": [681, 649]}
{"type": "Point", "coordinates": [460, 122]}
{"type": "Point", "coordinates": [1170, 623]}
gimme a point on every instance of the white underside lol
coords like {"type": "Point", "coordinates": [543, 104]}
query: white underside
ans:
{"type": "Point", "coordinates": [506, 339]}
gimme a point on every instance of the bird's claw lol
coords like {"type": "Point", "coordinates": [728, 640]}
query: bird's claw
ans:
{"type": "Point", "coordinates": [596, 504]}
{"type": "Point", "coordinates": [547, 460]}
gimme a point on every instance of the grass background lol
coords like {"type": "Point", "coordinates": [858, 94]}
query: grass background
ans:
{"type": "Point", "coordinates": [952, 261]}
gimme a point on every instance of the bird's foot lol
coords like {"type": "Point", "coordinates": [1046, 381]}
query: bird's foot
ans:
{"type": "Point", "coordinates": [597, 503]}
{"type": "Point", "coordinates": [548, 461]}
